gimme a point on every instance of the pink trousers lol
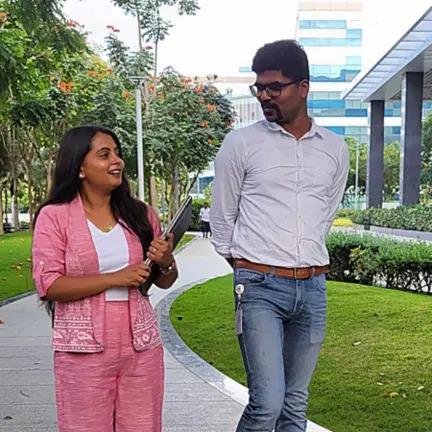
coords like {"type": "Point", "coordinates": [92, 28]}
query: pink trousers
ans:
{"type": "Point", "coordinates": [118, 389]}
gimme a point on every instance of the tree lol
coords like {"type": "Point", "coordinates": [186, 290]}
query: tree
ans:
{"type": "Point", "coordinates": [426, 173]}
{"type": "Point", "coordinates": [45, 86]}
{"type": "Point", "coordinates": [153, 28]}
{"type": "Point", "coordinates": [391, 167]}
{"type": "Point", "coordinates": [184, 128]}
{"type": "Point", "coordinates": [362, 173]}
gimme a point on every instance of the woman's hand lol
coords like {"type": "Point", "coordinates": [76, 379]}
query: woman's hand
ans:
{"type": "Point", "coordinates": [133, 275]}
{"type": "Point", "coordinates": [161, 251]}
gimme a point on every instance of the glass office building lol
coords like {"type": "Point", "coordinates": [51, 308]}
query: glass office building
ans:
{"type": "Point", "coordinates": [331, 32]}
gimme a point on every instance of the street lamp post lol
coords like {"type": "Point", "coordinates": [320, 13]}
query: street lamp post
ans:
{"type": "Point", "coordinates": [140, 152]}
{"type": "Point", "coordinates": [139, 82]}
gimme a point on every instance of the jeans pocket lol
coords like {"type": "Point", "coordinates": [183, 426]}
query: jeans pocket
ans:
{"type": "Point", "coordinates": [248, 278]}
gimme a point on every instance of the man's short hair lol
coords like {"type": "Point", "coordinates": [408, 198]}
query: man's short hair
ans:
{"type": "Point", "coordinates": [286, 56]}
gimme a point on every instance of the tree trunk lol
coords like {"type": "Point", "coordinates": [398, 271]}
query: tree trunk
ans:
{"type": "Point", "coordinates": [30, 192]}
{"type": "Point", "coordinates": [1, 210]}
{"type": "Point", "coordinates": [6, 205]}
{"type": "Point", "coordinates": [153, 197]}
{"type": "Point", "coordinates": [15, 206]}
{"type": "Point", "coordinates": [49, 173]}
{"type": "Point", "coordinates": [175, 191]}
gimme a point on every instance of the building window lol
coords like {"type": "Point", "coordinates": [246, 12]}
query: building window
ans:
{"type": "Point", "coordinates": [354, 33]}
{"type": "Point", "coordinates": [340, 130]}
{"type": "Point", "coordinates": [330, 42]}
{"type": "Point", "coordinates": [322, 24]}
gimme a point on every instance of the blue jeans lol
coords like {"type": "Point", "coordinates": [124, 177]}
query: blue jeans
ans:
{"type": "Point", "coordinates": [283, 326]}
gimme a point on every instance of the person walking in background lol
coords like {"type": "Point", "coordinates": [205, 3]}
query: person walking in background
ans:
{"type": "Point", "coordinates": [89, 242]}
{"type": "Point", "coordinates": [204, 217]}
{"type": "Point", "coordinates": [278, 184]}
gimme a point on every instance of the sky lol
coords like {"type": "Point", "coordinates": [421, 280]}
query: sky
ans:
{"type": "Point", "coordinates": [224, 35]}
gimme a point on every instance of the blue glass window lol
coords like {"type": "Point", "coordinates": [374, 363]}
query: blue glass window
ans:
{"type": "Point", "coordinates": [329, 42]}
{"type": "Point", "coordinates": [340, 130]}
{"type": "Point", "coordinates": [333, 73]}
{"type": "Point", "coordinates": [323, 103]}
{"type": "Point", "coordinates": [356, 112]}
{"type": "Point", "coordinates": [322, 24]}
{"type": "Point", "coordinates": [354, 34]}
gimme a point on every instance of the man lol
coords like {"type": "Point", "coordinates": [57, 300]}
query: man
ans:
{"type": "Point", "coordinates": [277, 187]}
{"type": "Point", "coordinates": [204, 217]}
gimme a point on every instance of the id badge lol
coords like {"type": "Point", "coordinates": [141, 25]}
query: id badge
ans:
{"type": "Point", "coordinates": [239, 289]}
{"type": "Point", "coordinates": [239, 320]}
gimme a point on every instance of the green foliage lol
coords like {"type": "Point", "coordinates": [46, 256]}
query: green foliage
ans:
{"type": "Point", "coordinates": [125, 63]}
{"type": "Point", "coordinates": [183, 129]}
{"type": "Point", "coordinates": [154, 27]}
{"type": "Point", "coordinates": [391, 167]}
{"type": "Point", "coordinates": [416, 218]}
{"type": "Point", "coordinates": [426, 174]}
{"type": "Point", "coordinates": [346, 213]}
{"type": "Point", "coordinates": [380, 261]}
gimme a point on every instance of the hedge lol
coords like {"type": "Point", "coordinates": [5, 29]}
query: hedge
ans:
{"type": "Point", "coordinates": [416, 218]}
{"type": "Point", "coordinates": [373, 260]}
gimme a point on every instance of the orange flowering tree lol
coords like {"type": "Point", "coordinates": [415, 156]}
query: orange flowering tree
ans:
{"type": "Point", "coordinates": [183, 130]}
{"type": "Point", "coordinates": [35, 40]}
{"type": "Point", "coordinates": [49, 80]}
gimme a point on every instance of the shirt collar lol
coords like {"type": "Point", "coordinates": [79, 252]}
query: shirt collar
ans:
{"type": "Point", "coordinates": [314, 130]}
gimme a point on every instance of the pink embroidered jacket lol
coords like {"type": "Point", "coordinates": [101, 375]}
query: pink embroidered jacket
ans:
{"type": "Point", "coordinates": [63, 246]}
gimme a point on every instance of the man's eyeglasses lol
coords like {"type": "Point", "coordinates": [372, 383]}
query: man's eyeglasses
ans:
{"type": "Point", "coordinates": [273, 89]}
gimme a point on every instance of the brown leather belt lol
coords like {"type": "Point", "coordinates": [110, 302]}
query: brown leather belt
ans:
{"type": "Point", "coordinates": [292, 273]}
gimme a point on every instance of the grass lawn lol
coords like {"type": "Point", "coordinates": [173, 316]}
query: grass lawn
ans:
{"type": "Point", "coordinates": [15, 277]}
{"type": "Point", "coordinates": [184, 240]}
{"type": "Point", "coordinates": [15, 273]}
{"type": "Point", "coordinates": [375, 369]}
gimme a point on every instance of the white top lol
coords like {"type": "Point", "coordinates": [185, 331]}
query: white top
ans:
{"type": "Point", "coordinates": [205, 214]}
{"type": "Point", "coordinates": [113, 254]}
{"type": "Point", "coordinates": [274, 197]}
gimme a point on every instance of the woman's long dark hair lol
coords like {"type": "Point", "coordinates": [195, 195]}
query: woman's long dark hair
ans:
{"type": "Point", "coordinates": [66, 184]}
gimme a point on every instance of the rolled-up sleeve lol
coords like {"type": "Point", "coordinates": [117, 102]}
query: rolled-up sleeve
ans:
{"type": "Point", "coordinates": [229, 176]}
{"type": "Point", "coordinates": [48, 251]}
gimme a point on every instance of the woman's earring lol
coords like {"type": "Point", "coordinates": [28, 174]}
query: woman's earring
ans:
{"type": "Point", "coordinates": [81, 175]}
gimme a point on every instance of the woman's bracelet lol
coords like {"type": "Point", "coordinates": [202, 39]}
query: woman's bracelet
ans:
{"type": "Point", "coordinates": [168, 270]}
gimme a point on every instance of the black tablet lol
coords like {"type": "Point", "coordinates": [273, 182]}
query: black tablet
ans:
{"type": "Point", "coordinates": [178, 226]}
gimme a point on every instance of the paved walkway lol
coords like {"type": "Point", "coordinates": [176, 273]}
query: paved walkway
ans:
{"type": "Point", "coordinates": [26, 381]}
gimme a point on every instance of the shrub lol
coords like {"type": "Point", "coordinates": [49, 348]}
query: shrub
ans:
{"type": "Point", "coordinates": [342, 222]}
{"type": "Point", "coordinates": [417, 218]}
{"type": "Point", "coordinates": [348, 213]}
{"type": "Point", "coordinates": [374, 260]}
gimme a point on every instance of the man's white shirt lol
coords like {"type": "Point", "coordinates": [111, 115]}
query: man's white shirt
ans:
{"type": "Point", "coordinates": [274, 197]}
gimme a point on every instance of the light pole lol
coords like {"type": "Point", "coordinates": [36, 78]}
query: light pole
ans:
{"type": "Point", "coordinates": [139, 82]}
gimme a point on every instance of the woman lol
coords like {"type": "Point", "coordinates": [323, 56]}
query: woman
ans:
{"type": "Point", "coordinates": [90, 240]}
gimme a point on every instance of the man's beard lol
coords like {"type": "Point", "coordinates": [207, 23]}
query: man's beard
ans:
{"type": "Point", "coordinates": [272, 112]}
